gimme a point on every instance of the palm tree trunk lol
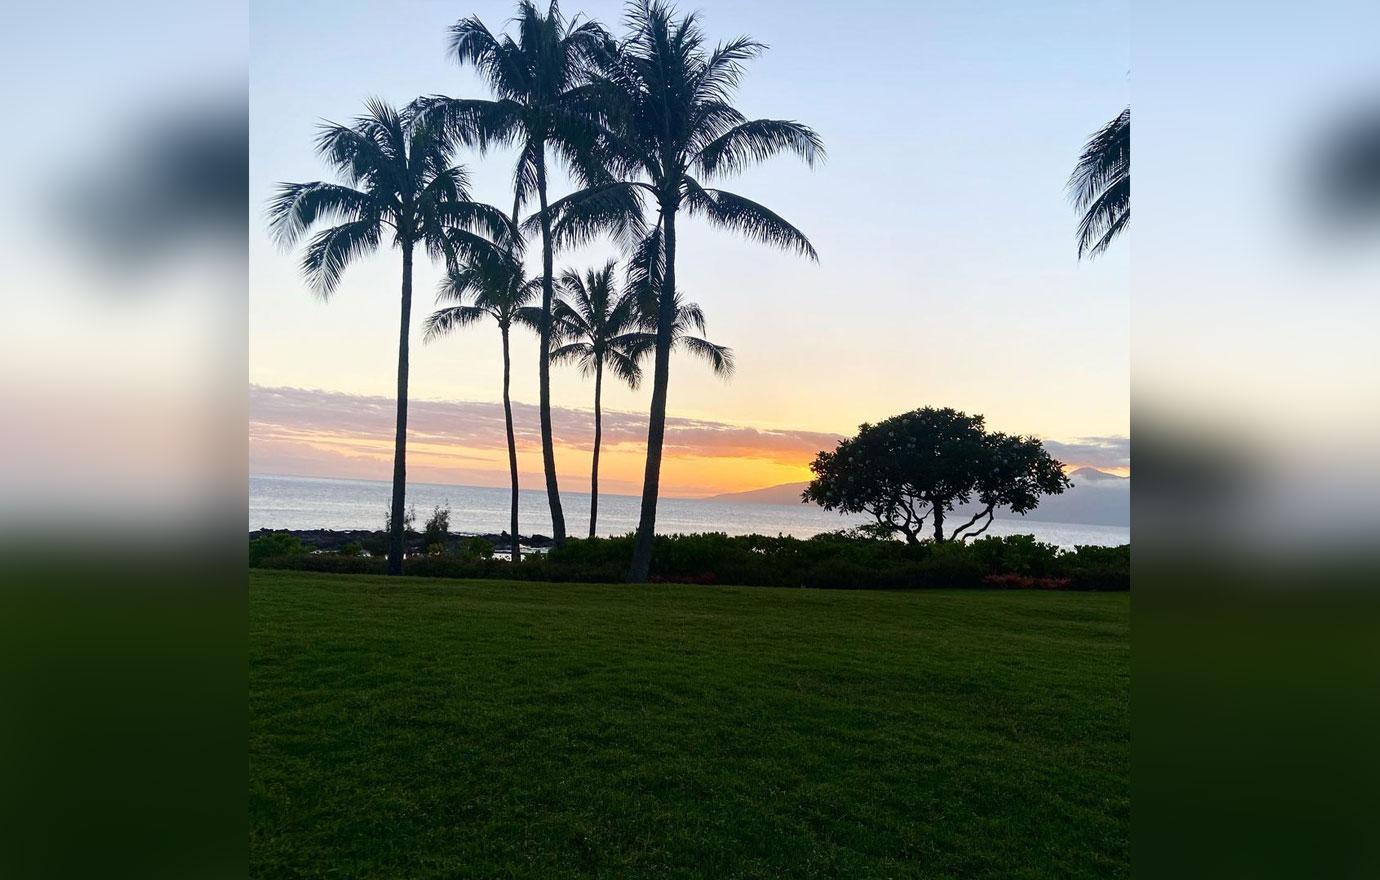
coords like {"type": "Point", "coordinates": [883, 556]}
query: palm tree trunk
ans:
{"type": "Point", "coordinates": [598, 432]}
{"type": "Point", "coordinates": [512, 448]}
{"type": "Point", "coordinates": [656, 423]}
{"type": "Point", "coordinates": [396, 539]}
{"type": "Point", "coordinates": [548, 452]}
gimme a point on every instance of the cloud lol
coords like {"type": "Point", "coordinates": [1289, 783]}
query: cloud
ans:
{"type": "Point", "coordinates": [1099, 452]}
{"type": "Point", "coordinates": [330, 433]}
{"type": "Point", "coordinates": [288, 426]}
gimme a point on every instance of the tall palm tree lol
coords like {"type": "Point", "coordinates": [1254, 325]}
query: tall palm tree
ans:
{"type": "Point", "coordinates": [398, 182]}
{"type": "Point", "coordinates": [541, 101]}
{"type": "Point", "coordinates": [596, 325]}
{"type": "Point", "coordinates": [493, 288]}
{"type": "Point", "coordinates": [668, 124]}
{"type": "Point", "coordinates": [1100, 186]}
{"type": "Point", "coordinates": [689, 321]}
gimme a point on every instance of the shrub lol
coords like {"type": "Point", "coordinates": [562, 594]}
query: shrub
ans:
{"type": "Point", "coordinates": [477, 548]}
{"type": "Point", "coordinates": [832, 561]}
{"type": "Point", "coordinates": [276, 544]}
{"type": "Point", "coordinates": [331, 563]}
{"type": "Point", "coordinates": [1025, 582]}
{"type": "Point", "coordinates": [354, 548]}
{"type": "Point", "coordinates": [1017, 554]}
{"type": "Point", "coordinates": [437, 528]}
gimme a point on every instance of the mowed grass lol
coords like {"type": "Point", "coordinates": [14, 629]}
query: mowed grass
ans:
{"type": "Point", "coordinates": [424, 728]}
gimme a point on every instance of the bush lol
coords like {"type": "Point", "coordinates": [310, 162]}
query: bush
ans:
{"type": "Point", "coordinates": [331, 563]}
{"type": "Point", "coordinates": [437, 528]}
{"type": "Point", "coordinates": [477, 548]}
{"type": "Point", "coordinates": [277, 544]}
{"type": "Point", "coordinates": [832, 561]}
{"type": "Point", "coordinates": [354, 548]}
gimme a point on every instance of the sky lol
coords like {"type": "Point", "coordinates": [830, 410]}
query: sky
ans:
{"type": "Point", "coordinates": [947, 273]}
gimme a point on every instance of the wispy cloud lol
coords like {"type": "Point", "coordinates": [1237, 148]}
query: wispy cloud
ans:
{"type": "Point", "coordinates": [296, 430]}
{"type": "Point", "coordinates": [330, 433]}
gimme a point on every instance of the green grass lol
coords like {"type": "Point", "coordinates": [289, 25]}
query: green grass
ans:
{"type": "Point", "coordinates": [424, 728]}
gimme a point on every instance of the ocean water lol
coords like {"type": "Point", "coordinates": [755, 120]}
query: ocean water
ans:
{"type": "Point", "coordinates": [316, 503]}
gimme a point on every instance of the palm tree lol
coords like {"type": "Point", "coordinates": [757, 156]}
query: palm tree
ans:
{"type": "Point", "coordinates": [398, 181]}
{"type": "Point", "coordinates": [689, 320]}
{"type": "Point", "coordinates": [668, 124]}
{"type": "Point", "coordinates": [595, 325]}
{"type": "Point", "coordinates": [541, 100]}
{"type": "Point", "coordinates": [1100, 186]}
{"type": "Point", "coordinates": [494, 288]}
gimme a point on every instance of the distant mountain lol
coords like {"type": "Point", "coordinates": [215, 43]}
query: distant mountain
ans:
{"type": "Point", "coordinates": [1097, 498]}
{"type": "Point", "coordinates": [1089, 474]}
{"type": "Point", "coordinates": [786, 493]}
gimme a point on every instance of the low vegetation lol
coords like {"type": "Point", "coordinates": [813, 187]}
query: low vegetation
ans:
{"type": "Point", "coordinates": [835, 561]}
{"type": "Point", "coordinates": [412, 728]}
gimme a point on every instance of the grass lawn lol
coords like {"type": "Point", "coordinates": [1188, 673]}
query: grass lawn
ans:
{"type": "Point", "coordinates": [428, 728]}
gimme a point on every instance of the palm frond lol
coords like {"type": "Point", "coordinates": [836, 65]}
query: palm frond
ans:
{"type": "Point", "coordinates": [497, 60]}
{"type": "Point", "coordinates": [331, 250]}
{"type": "Point", "coordinates": [449, 319]}
{"type": "Point", "coordinates": [690, 316]}
{"type": "Point", "coordinates": [1105, 159]}
{"type": "Point", "coordinates": [642, 280]}
{"type": "Point", "coordinates": [568, 323]}
{"type": "Point", "coordinates": [1101, 225]}
{"type": "Point", "coordinates": [723, 70]}
{"type": "Point", "coordinates": [624, 366]}
{"type": "Point", "coordinates": [613, 209]}
{"type": "Point", "coordinates": [359, 158]}
{"type": "Point", "coordinates": [1100, 186]}
{"type": "Point", "coordinates": [479, 219]}
{"type": "Point", "coordinates": [530, 316]}
{"type": "Point", "coordinates": [756, 141]}
{"type": "Point", "coordinates": [479, 123]}
{"type": "Point", "coordinates": [299, 206]}
{"type": "Point", "coordinates": [747, 218]}
{"type": "Point", "coordinates": [579, 353]}
{"type": "Point", "coordinates": [719, 357]}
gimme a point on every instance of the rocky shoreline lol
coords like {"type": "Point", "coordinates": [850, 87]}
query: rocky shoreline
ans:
{"type": "Point", "coordinates": [331, 540]}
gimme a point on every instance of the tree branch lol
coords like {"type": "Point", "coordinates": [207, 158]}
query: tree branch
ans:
{"type": "Point", "coordinates": [957, 534]}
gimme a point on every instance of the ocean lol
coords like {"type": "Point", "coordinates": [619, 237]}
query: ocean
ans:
{"type": "Point", "coordinates": [278, 502]}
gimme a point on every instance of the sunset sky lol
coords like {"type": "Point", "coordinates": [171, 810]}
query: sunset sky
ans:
{"type": "Point", "coordinates": [947, 271]}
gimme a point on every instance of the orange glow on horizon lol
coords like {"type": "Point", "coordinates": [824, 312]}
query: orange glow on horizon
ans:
{"type": "Point", "coordinates": [274, 449]}
{"type": "Point", "coordinates": [706, 472]}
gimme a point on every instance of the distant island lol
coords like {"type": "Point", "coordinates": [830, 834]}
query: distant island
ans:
{"type": "Point", "coordinates": [1097, 498]}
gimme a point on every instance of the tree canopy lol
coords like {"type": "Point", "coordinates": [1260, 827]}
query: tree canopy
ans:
{"type": "Point", "coordinates": [919, 466]}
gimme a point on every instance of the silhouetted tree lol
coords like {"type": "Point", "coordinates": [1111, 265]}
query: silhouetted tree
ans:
{"type": "Point", "coordinates": [689, 321]}
{"type": "Point", "coordinates": [920, 465]}
{"type": "Point", "coordinates": [596, 326]}
{"type": "Point", "coordinates": [667, 123]}
{"type": "Point", "coordinates": [541, 101]}
{"type": "Point", "coordinates": [1101, 186]}
{"type": "Point", "coordinates": [400, 183]}
{"type": "Point", "coordinates": [495, 288]}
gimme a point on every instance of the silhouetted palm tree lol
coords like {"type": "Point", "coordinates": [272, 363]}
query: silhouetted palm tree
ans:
{"type": "Point", "coordinates": [399, 182]}
{"type": "Point", "coordinates": [668, 122]}
{"type": "Point", "coordinates": [596, 327]}
{"type": "Point", "coordinates": [493, 288]}
{"type": "Point", "coordinates": [541, 101]}
{"type": "Point", "coordinates": [1100, 186]}
{"type": "Point", "coordinates": [689, 320]}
